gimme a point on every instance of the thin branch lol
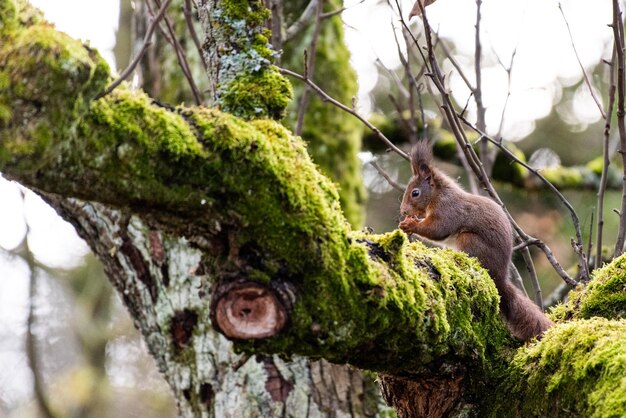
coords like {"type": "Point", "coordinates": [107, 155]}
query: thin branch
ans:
{"type": "Point", "coordinates": [426, 68]}
{"type": "Point", "coordinates": [310, 64]}
{"type": "Point", "coordinates": [605, 163]}
{"type": "Point", "coordinates": [509, 77]}
{"type": "Point", "coordinates": [275, 24]}
{"type": "Point", "coordinates": [181, 57]}
{"type": "Point", "coordinates": [418, 88]}
{"type": "Point", "coordinates": [146, 43]}
{"type": "Point", "coordinates": [393, 76]}
{"type": "Point", "coordinates": [618, 37]}
{"type": "Point", "coordinates": [325, 97]}
{"type": "Point", "coordinates": [457, 66]}
{"type": "Point", "coordinates": [516, 278]}
{"type": "Point", "coordinates": [582, 68]}
{"type": "Point", "coordinates": [408, 127]}
{"type": "Point", "coordinates": [387, 177]}
{"type": "Point", "coordinates": [589, 243]}
{"type": "Point", "coordinates": [525, 244]}
{"type": "Point", "coordinates": [187, 11]}
{"type": "Point", "coordinates": [478, 91]}
{"type": "Point", "coordinates": [411, 90]}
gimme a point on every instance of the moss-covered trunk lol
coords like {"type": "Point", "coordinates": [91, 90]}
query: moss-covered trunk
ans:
{"type": "Point", "coordinates": [246, 236]}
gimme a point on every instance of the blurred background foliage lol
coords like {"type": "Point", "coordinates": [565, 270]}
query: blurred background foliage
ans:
{"type": "Point", "coordinates": [90, 360]}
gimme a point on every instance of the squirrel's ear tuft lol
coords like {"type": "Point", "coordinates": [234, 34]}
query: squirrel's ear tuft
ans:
{"type": "Point", "coordinates": [421, 158]}
{"type": "Point", "coordinates": [424, 171]}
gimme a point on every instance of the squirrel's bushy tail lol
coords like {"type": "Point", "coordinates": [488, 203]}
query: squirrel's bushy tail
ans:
{"type": "Point", "coordinates": [524, 318]}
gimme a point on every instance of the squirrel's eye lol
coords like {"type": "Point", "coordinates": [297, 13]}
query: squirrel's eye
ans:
{"type": "Point", "coordinates": [415, 192]}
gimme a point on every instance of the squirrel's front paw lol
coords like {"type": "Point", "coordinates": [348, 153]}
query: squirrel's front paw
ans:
{"type": "Point", "coordinates": [409, 224]}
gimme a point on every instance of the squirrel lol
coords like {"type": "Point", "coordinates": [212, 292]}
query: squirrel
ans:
{"type": "Point", "coordinates": [435, 207]}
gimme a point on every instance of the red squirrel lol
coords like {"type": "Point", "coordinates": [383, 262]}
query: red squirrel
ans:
{"type": "Point", "coordinates": [436, 207]}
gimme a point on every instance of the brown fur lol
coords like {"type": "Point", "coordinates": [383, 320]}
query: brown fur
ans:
{"type": "Point", "coordinates": [480, 228]}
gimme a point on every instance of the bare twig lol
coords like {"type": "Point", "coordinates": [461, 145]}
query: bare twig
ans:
{"type": "Point", "coordinates": [181, 57]}
{"type": "Point", "coordinates": [411, 90]}
{"type": "Point", "coordinates": [345, 108]}
{"type": "Point", "coordinates": [605, 163]}
{"type": "Point", "coordinates": [31, 345]}
{"type": "Point", "coordinates": [387, 177]}
{"type": "Point", "coordinates": [144, 48]}
{"type": "Point", "coordinates": [589, 243]}
{"type": "Point", "coordinates": [618, 37]}
{"type": "Point", "coordinates": [478, 91]}
{"type": "Point", "coordinates": [516, 278]}
{"type": "Point", "coordinates": [525, 244]}
{"type": "Point", "coordinates": [582, 67]}
{"type": "Point", "coordinates": [509, 72]}
{"type": "Point", "coordinates": [427, 70]}
{"type": "Point", "coordinates": [408, 127]}
{"type": "Point", "coordinates": [457, 66]}
{"type": "Point", "coordinates": [310, 65]}
{"type": "Point", "coordinates": [187, 10]}
{"type": "Point", "coordinates": [275, 24]}
{"type": "Point", "coordinates": [392, 74]}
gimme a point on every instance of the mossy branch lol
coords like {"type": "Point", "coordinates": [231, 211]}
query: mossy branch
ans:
{"type": "Point", "coordinates": [248, 197]}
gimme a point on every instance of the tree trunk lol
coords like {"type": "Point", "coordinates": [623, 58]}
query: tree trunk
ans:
{"type": "Point", "coordinates": [349, 392]}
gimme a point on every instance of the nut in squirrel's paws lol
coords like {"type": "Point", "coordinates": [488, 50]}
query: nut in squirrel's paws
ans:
{"type": "Point", "coordinates": [409, 224]}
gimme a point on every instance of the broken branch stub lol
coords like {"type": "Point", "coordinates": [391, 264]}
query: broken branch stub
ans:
{"type": "Point", "coordinates": [248, 310]}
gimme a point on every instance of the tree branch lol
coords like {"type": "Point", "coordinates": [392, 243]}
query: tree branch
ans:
{"type": "Point", "coordinates": [146, 43]}
{"type": "Point", "coordinates": [345, 108]}
{"type": "Point", "coordinates": [618, 37]}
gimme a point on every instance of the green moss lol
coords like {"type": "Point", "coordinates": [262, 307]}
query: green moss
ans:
{"type": "Point", "coordinates": [604, 296]}
{"type": "Point", "coordinates": [577, 370]}
{"type": "Point", "coordinates": [265, 94]}
{"type": "Point", "coordinates": [69, 66]}
{"type": "Point", "coordinates": [8, 15]}
{"type": "Point", "coordinates": [247, 84]}
{"type": "Point", "coordinates": [251, 11]}
{"type": "Point", "coordinates": [416, 305]}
